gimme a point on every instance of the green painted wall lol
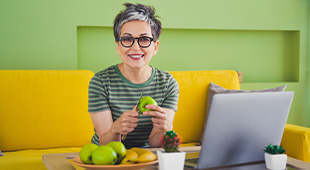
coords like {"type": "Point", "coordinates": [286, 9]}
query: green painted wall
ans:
{"type": "Point", "coordinates": [308, 67]}
{"type": "Point", "coordinates": [267, 40]}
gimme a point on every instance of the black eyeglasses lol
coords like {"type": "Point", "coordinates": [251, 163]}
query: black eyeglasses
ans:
{"type": "Point", "coordinates": [128, 41]}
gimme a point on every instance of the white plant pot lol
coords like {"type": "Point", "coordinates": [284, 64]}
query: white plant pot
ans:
{"type": "Point", "coordinates": [171, 160]}
{"type": "Point", "coordinates": [275, 162]}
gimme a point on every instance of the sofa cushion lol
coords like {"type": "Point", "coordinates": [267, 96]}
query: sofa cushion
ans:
{"type": "Point", "coordinates": [216, 89]}
{"type": "Point", "coordinates": [44, 109]}
{"type": "Point", "coordinates": [194, 85]}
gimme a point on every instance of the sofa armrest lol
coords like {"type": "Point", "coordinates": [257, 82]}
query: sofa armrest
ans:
{"type": "Point", "coordinates": [296, 141]}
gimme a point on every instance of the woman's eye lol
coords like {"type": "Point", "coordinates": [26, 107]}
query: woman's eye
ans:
{"type": "Point", "coordinates": [144, 39]}
{"type": "Point", "coordinates": [126, 39]}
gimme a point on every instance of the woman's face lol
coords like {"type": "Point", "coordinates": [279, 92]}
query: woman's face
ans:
{"type": "Point", "coordinates": [136, 56]}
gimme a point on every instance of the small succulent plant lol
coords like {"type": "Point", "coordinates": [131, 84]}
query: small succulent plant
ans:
{"type": "Point", "coordinates": [274, 149]}
{"type": "Point", "coordinates": [171, 141]}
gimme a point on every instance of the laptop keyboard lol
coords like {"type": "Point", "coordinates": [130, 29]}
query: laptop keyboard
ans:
{"type": "Point", "coordinates": [192, 160]}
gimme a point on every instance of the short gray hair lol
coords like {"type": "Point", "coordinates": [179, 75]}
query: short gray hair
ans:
{"type": "Point", "coordinates": [137, 12]}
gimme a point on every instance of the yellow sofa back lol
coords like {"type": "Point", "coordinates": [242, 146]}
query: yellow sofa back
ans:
{"type": "Point", "coordinates": [48, 109]}
{"type": "Point", "coordinates": [44, 109]}
{"type": "Point", "coordinates": [194, 85]}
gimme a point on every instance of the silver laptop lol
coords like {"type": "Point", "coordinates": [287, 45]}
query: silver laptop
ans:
{"type": "Point", "coordinates": [240, 125]}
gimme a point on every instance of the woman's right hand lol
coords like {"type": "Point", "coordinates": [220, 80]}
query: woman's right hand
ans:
{"type": "Point", "coordinates": [126, 122]}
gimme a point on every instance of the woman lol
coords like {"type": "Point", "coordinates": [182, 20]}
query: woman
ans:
{"type": "Point", "coordinates": [115, 91]}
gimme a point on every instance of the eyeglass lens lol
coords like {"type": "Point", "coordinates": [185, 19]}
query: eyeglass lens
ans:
{"type": "Point", "coordinates": [142, 41]}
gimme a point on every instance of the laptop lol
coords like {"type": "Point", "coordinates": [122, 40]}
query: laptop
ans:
{"type": "Point", "coordinates": [240, 125]}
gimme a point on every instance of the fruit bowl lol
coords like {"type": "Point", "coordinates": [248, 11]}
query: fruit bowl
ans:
{"type": "Point", "coordinates": [77, 161]}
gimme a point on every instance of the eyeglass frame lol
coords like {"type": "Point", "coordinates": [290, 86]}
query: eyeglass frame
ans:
{"type": "Point", "coordinates": [135, 38]}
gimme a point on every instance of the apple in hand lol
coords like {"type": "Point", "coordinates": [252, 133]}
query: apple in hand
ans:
{"type": "Point", "coordinates": [146, 101]}
{"type": "Point", "coordinates": [119, 149]}
{"type": "Point", "coordinates": [86, 153]}
{"type": "Point", "coordinates": [104, 155]}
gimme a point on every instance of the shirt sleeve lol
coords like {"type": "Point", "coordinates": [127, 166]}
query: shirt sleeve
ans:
{"type": "Point", "coordinates": [97, 95]}
{"type": "Point", "coordinates": [172, 95]}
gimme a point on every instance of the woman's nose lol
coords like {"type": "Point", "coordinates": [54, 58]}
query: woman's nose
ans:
{"type": "Point", "coordinates": [135, 45]}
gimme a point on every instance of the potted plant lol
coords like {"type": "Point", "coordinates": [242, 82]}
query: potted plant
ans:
{"type": "Point", "coordinates": [275, 157]}
{"type": "Point", "coordinates": [170, 158]}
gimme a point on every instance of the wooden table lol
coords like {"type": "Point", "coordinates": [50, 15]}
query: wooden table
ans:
{"type": "Point", "coordinates": [63, 162]}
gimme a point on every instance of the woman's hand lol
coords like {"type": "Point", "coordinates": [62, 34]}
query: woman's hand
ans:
{"type": "Point", "coordinates": [161, 117]}
{"type": "Point", "coordinates": [126, 122]}
{"type": "Point", "coordinates": [162, 121]}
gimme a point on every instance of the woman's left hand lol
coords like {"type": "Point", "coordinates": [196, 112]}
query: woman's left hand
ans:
{"type": "Point", "coordinates": [161, 117]}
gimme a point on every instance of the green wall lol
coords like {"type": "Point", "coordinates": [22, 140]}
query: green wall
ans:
{"type": "Point", "coordinates": [267, 40]}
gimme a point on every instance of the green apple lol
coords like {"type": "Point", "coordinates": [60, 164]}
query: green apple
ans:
{"type": "Point", "coordinates": [86, 152]}
{"type": "Point", "coordinates": [104, 155]}
{"type": "Point", "coordinates": [119, 148]}
{"type": "Point", "coordinates": [146, 101]}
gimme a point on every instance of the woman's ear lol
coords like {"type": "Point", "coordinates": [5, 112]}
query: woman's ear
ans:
{"type": "Point", "coordinates": [156, 47]}
{"type": "Point", "coordinates": [117, 47]}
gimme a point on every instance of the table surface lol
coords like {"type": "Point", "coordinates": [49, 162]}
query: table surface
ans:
{"type": "Point", "coordinates": [63, 161]}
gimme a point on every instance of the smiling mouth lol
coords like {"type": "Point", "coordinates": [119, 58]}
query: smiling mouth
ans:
{"type": "Point", "coordinates": [135, 56]}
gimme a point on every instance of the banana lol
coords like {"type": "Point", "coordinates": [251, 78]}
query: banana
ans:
{"type": "Point", "coordinates": [143, 155]}
{"type": "Point", "coordinates": [129, 155]}
{"type": "Point", "coordinates": [139, 151]}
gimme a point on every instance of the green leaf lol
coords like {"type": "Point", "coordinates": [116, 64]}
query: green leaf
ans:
{"type": "Point", "coordinates": [274, 149]}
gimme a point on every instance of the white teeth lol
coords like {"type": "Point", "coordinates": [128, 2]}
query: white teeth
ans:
{"type": "Point", "coordinates": [135, 56]}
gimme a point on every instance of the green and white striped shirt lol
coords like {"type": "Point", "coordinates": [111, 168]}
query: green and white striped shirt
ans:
{"type": "Point", "coordinates": [110, 90]}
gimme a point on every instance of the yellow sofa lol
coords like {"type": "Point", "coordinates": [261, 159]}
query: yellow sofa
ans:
{"type": "Point", "coordinates": [45, 111]}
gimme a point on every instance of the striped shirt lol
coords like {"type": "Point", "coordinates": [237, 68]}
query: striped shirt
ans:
{"type": "Point", "coordinates": [110, 90]}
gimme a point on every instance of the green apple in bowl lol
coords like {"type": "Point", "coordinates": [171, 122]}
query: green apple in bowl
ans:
{"type": "Point", "coordinates": [86, 153]}
{"type": "Point", "coordinates": [104, 155]}
{"type": "Point", "coordinates": [146, 101]}
{"type": "Point", "coordinates": [119, 149]}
